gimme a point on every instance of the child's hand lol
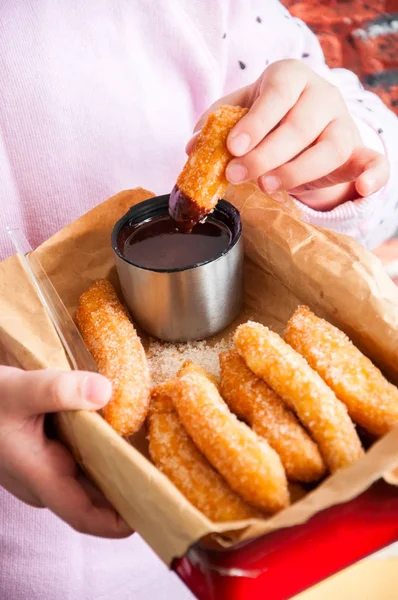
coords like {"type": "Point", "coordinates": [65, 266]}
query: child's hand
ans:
{"type": "Point", "coordinates": [299, 136]}
{"type": "Point", "coordinates": [40, 471]}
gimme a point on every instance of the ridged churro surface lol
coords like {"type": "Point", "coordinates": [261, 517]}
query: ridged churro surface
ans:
{"type": "Point", "coordinates": [371, 400]}
{"type": "Point", "coordinates": [118, 353]}
{"type": "Point", "coordinates": [250, 466]}
{"type": "Point", "coordinates": [291, 377]}
{"type": "Point", "coordinates": [202, 182]}
{"type": "Point", "coordinates": [251, 399]}
{"type": "Point", "coordinates": [175, 454]}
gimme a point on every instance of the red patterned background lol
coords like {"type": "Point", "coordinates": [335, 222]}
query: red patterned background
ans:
{"type": "Point", "coordinates": [362, 36]}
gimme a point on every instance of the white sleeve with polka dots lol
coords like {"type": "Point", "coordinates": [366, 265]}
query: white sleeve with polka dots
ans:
{"type": "Point", "coordinates": [262, 32]}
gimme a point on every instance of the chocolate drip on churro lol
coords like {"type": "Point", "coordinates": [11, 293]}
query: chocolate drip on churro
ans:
{"type": "Point", "coordinates": [184, 211]}
{"type": "Point", "coordinates": [202, 182]}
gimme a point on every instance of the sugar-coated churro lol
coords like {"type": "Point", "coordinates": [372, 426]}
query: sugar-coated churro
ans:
{"type": "Point", "coordinates": [315, 404]}
{"type": "Point", "coordinates": [190, 367]}
{"type": "Point", "coordinates": [117, 350]}
{"type": "Point", "coordinates": [251, 399]}
{"type": "Point", "coordinates": [202, 181]}
{"type": "Point", "coordinates": [371, 400]}
{"type": "Point", "coordinates": [250, 466]}
{"type": "Point", "coordinates": [175, 454]}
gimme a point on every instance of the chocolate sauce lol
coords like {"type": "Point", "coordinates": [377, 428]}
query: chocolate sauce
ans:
{"type": "Point", "coordinates": [158, 243]}
{"type": "Point", "coordinates": [184, 211]}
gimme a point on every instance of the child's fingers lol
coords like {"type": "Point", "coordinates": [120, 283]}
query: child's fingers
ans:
{"type": "Point", "coordinates": [241, 97]}
{"type": "Point", "coordinates": [271, 106]}
{"type": "Point", "coordinates": [298, 131]}
{"type": "Point", "coordinates": [374, 176]}
{"type": "Point", "coordinates": [11, 482]}
{"type": "Point", "coordinates": [316, 163]}
{"type": "Point", "coordinates": [57, 484]}
{"type": "Point", "coordinates": [36, 392]}
{"type": "Point", "coordinates": [367, 168]}
{"type": "Point", "coordinates": [43, 473]}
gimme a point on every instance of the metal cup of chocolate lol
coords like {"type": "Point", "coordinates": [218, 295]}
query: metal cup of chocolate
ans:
{"type": "Point", "coordinates": [180, 287]}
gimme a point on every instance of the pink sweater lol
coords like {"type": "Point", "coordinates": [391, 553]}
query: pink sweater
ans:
{"type": "Point", "coordinates": [100, 96]}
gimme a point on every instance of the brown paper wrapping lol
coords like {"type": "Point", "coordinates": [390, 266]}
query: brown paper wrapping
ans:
{"type": "Point", "coordinates": [288, 262]}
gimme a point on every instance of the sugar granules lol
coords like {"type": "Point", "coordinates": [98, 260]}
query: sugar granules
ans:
{"type": "Point", "coordinates": [165, 359]}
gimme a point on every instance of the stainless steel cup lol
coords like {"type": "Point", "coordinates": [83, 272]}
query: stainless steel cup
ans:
{"type": "Point", "coordinates": [186, 304]}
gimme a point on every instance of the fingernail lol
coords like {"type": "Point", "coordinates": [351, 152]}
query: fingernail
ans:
{"type": "Point", "coordinates": [239, 144]}
{"type": "Point", "coordinates": [236, 173]}
{"type": "Point", "coordinates": [271, 183]}
{"type": "Point", "coordinates": [97, 390]}
{"type": "Point", "coordinates": [370, 186]}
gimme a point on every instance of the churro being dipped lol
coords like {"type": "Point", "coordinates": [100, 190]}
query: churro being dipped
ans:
{"type": "Point", "coordinates": [371, 400]}
{"type": "Point", "coordinates": [175, 454]}
{"type": "Point", "coordinates": [202, 182]}
{"type": "Point", "coordinates": [118, 353]}
{"type": "Point", "coordinates": [250, 466]}
{"type": "Point", "coordinates": [303, 390]}
{"type": "Point", "coordinates": [251, 399]}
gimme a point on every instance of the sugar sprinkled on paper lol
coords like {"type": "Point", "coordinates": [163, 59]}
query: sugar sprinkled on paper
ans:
{"type": "Point", "coordinates": [166, 359]}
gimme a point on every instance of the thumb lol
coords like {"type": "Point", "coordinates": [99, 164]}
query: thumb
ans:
{"type": "Point", "coordinates": [239, 97]}
{"type": "Point", "coordinates": [31, 393]}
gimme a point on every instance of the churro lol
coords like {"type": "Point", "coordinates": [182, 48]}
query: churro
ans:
{"type": "Point", "coordinates": [202, 181]}
{"type": "Point", "coordinates": [190, 367]}
{"type": "Point", "coordinates": [118, 353]}
{"type": "Point", "coordinates": [249, 465]}
{"type": "Point", "coordinates": [371, 400]}
{"type": "Point", "coordinates": [251, 399]}
{"type": "Point", "coordinates": [303, 390]}
{"type": "Point", "coordinates": [175, 454]}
